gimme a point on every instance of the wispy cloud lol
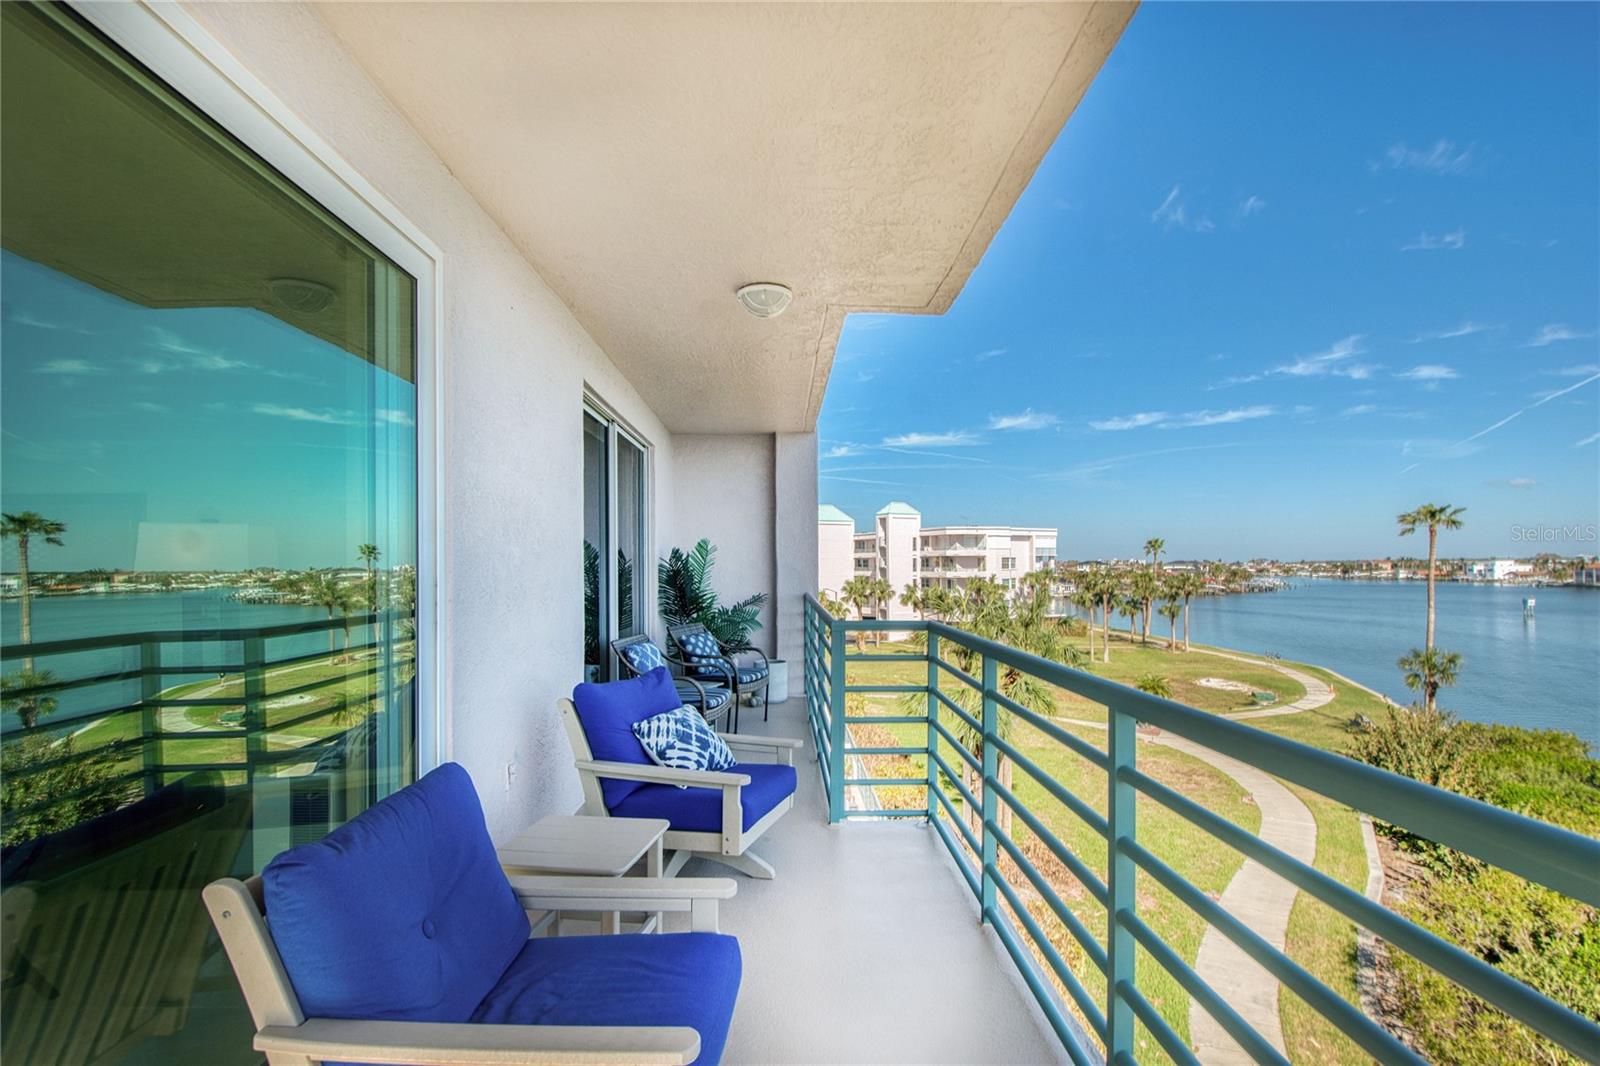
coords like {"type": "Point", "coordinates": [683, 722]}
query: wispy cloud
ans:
{"type": "Point", "coordinates": [1557, 332]}
{"type": "Point", "coordinates": [1582, 370]}
{"type": "Point", "coordinates": [1029, 419]}
{"type": "Point", "coordinates": [1442, 157]}
{"type": "Point", "coordinates": [1143, 418]}
{"type": "Point", "coordinates": [1187, 420]}
{"type": "Point", "coordinates": [1465, 329]}
{"type": "Point", "coordinates": [325, 416]}
{"type": "Point", "coordinates": [957, 438]}
{"type": "Point", "coordinates": [1430, 374]}
{"type": "Point", "coordinates": [1523, 483]}
{"type": "Point", "coordinates": [842, 451]}
{"type": "Point", "coordinates": [1250, 205]}
{"type": "Point", "coordinates": [394, 417]}
{"type": "Point", "coordinates": [1453, 241]}
{"type": "Point", "coordinates": [27, 318]}
{"type": "Point", "coordinates": [992, 353]}
{"type": "Point", "coordinates": [1197, 419]}
{"type": "Point", "coordinates": [1336, 360]}
{"type": "Point", "coordinates": [1359, 409]}
{"type": "Point", "coordinates": [1092, 469]}
{"type": "Point", "coordinates": [856, 480]}
{"type": "Point", "coordinates": [1590, 439]}
{"type": "Point", "coordinates": [1174, 213]}
{"type": "Point", "coordinates": [67, 368]}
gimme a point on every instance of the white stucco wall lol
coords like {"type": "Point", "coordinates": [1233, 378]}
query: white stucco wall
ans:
{"type": "Point", "coordinates": [795, 543]}
{"type": "Point", "coordinates": [515, 366]}
{"type": "Point", "coordinates": [724, 490]}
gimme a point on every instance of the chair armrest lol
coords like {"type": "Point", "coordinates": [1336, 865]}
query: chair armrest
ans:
{"type": "Point", "coordinates": [766, 663]}
{"type": "Point", "coordinates": [781, 748]}
{"type": "Point", "coordinates": [696, 896]}
{"type": "Point", "coordinates": [661, 775]}
{"type": "Point", "coordinates": [448, 1043]}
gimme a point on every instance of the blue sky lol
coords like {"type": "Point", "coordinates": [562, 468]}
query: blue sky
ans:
{"type": "Point", "coordinates": [220, 432]}
{"type": "Point", "coordinates": [1289, 270]}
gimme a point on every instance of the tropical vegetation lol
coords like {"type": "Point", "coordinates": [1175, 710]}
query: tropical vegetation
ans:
{"type": "Point", "coordinates": [684, 594]}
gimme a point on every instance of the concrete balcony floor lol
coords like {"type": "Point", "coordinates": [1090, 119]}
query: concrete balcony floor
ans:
{"type": "Point", "coordinates": [866, 947]}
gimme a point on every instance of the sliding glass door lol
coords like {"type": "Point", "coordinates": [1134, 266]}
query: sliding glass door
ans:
{"type": "Point", "coordinates": [209, 490]}
{"type": "Point", "coordinates": [616, 564]}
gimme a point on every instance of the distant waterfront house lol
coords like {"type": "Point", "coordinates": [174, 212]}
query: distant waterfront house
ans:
{"type": "Point", "coordinates": [901, 550]}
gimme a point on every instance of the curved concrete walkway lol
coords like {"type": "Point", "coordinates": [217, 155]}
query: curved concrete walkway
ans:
{"type": "Point", "coordinates": [1318, 694]}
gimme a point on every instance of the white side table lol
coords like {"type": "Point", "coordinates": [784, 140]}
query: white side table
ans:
{"type": "Point", "coordinates": [587, 845]}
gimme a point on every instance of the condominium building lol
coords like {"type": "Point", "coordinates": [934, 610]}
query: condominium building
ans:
{"type": "Point", "coordinates": [901, 550]}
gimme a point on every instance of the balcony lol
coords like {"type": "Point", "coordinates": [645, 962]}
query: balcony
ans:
{"type": "Point", "coordinates": [1050, 904]}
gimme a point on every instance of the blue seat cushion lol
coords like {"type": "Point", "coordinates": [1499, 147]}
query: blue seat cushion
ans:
{"type": "Point", "coordinates": [715, 695]}
{"type": "Point", "coordinates": [719, 671]}
{"type": "Point", "coordinates": [699, 810]}
{"type": "Point", "coordinates": [401, 914]}
{"type": "Point", "coordinates": [607, 713]}
{"type": "Point", "coordinates": [687, 979]}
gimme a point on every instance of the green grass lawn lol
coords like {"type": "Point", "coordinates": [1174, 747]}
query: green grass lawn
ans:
{"type": "Point", "coordinates": [1317, 937]}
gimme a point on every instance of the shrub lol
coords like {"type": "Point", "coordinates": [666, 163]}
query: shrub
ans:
{"type": "Point", "coordinates": [1155, 685]}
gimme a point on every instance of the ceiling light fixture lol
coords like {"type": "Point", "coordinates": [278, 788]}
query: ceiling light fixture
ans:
{"type": "Point", "coordinates": [765, 299]}
{"type": "Point", "coordinates": [298, 294]}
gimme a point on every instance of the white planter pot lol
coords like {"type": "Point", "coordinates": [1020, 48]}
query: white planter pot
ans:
{"type": "Point", "coordinates": [778, 685]}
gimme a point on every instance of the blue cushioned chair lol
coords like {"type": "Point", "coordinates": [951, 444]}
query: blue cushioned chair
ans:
{"type": "Point", "coordinates": [399, 939]}
{"type": "Point", "coordinates": [745, 670]}
{"type": "Point", "coordinates": [715, 815]}
{"type": "Point", "coordinates": [639, 655]}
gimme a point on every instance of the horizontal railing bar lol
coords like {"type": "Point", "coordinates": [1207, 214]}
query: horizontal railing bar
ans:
{"type": "Point", "coordinates": [889, 782]}
{"type": "Point", "coordinates": [1557, 858]}
{"type": "Point", "coordinates": [883, 657]}
{"type": "Point", "coordinates": [1089, 879]}
{"type": "Point", "coordinates": [1371, 1037]}
{"type": "Point", "coordinates": [1052, 730]}
{"type": "Point", "coordinates": [960, 860]}
{"type": "Point", "coordinates": [885, 719]}
{"type": "Point", "coordinates": [1240, 1030]}
{"type": "Point", "coordinates": [966, 793]}
{"type": "Point", "coordinates": [314, 656]}
{"type": "Point", "coordinates": [1170, 1042]}
{"type": "Point", "coordinates": [960, 711]}
{"type": "Point", "coordinates": [66, 646]}
{"type": "Point", "coordinates": [1232, 1023]}
{"type": "Point", "coordinates": [885, 689]}
{"type": "Point", "coordinates": [1041, 993]}
{"type": "Point", "coordinates": [966, 834]}
{"type": "Point", "coordinates": [1063, 972]}
{"type": "Point", "coordinates": [1046, 781]}
{"type": "Point", "coordinates": [111, 749]}
{"type": "Point", "coordinates": [967, 756]}
{"type": "Point", "coordinates": [887, 812]}
{"type": "Point", "coordinates": [880, 625]}
{"type": "Point", "coordinates": [886, 751]}
{"type": "Point", "coordinates": [309, 716]}
{"type": "Point", "coordinates": [1561, 1024]}
{"type": "Point", "coordinates": [1073, 923]}
{"type": "Point", "coordinates": [312, 686]}
{"type": "Point", "coordinates": [960, 675]}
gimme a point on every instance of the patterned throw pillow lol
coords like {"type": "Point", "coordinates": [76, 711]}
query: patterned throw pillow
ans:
{"type": "Point", "coordinates": [701, 646]}
{"type": "Point", "coordinates": [681, 740]}
{"type": "Point", "coordinates": [643, 657]}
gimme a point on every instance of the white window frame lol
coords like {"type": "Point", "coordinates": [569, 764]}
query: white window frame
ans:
{"type": "Point", "coordinates": [178, 50]}
{"type": "Point", "coordinates": [619, 429]}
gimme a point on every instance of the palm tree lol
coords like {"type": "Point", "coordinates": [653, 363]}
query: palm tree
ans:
{"type": "Point", "coordinates": [1129, 607]}
{"type": "Point", "coordinates": [1085, 597]}
{"type": "Point", "coordinates": [25, 525]}
{"type": "Point", "coordinates": [321, 590]}
{"type": "Point", "coordinates": [1146, 587]}
{"type": "Point", "coordinates": [1105, 587]}
{"type": "Point", "coordinates": [1190, 584]}
{"type": "Point", "coordinates": [32, 706]}
{"type": "Point", "coordinates": [856, 594]}
{"type": "Point", "coordinates": [1170, 611]}
{"type": "Point", "coordinates": [1435, 516]}
{"type": "Point", "coordinates": [369, 554]}
{"type": "Point", "coordinates": [1153, 548]}
{"type": "Point", "coordinates": [882, 594]}
{"type": "Point", "coordinates": [911, 596]}
{"type": "Point", "coordinates": [1427, 670]}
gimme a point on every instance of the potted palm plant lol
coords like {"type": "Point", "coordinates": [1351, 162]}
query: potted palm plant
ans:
{"type": "Point", "coordinates": [684, 594]}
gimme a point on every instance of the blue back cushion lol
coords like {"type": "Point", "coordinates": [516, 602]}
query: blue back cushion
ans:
{"type": "Point", "coordinates": [607, 713]}
{"type": "Point", "coordinates": [401, 914]}
{"type": "Point", "coordinates": [643, 657]}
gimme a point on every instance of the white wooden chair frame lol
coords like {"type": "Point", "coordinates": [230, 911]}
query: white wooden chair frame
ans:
{"type": "Point", "coordinates": [729, 847]}
{"type": "Point", "coordinates": [288, 1038]}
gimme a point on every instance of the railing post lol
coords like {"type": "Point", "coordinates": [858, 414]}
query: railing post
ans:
{"type": "Point", "coordinates": [255, 696]}
{"type": "Point", "coordinates": [1121, 740]}
{"type": "Point", "coordinates": [150, 713]}
{"type": "Point", "coordinates": [836, 731]}
{"type": "Point", "coordinates": [991, 774]}
{"type": "Point", "coordinates": [933, 719]}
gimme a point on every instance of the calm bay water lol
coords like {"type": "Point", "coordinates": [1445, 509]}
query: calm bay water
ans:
{"type": "Point", "coordinates": [1541, 672]}
{"type": "Point", "coordinates": [63, 617]}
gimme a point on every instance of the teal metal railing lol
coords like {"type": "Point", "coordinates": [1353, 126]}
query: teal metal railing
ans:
{"type": "Point", "coordinates": [1558, 859]}
{"type": "Point", "coordinates": [130, 677]}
